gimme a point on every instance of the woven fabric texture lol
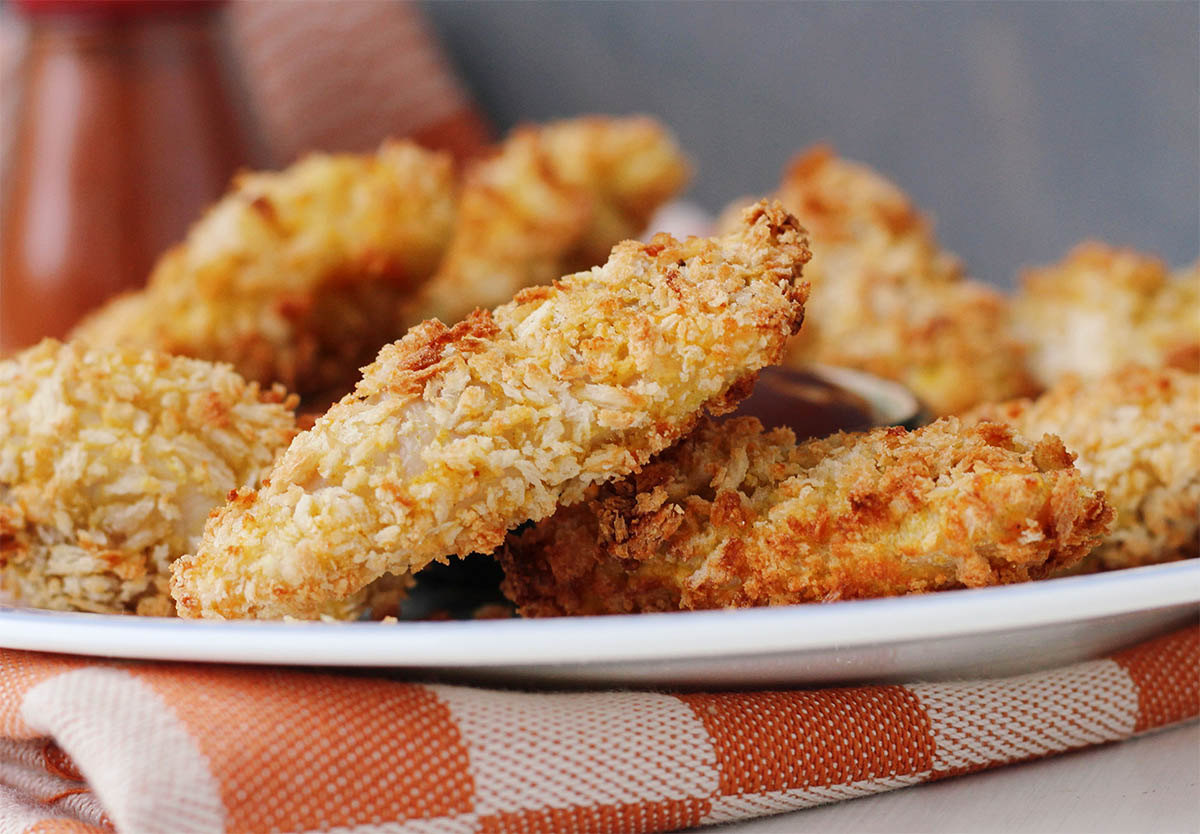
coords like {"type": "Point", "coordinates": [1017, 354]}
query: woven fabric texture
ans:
{"type": "Point", "coordinates": [344, 76]}
{"type": "Point", "coordinates": [94, 746]}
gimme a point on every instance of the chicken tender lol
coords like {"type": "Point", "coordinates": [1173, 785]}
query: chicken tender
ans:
{"type": "Point", "coordinates": [888, 300]}
{"type": "Point", "coordinates": [300, 276]}
{"type": "Point", "coordinates": [554, 200]}
{"type": "Point", "coordinates": [1136, 432]}
{"type": "Point", "coordinates": [734, 517]}
{"type": "Point", "coordinates": [456, 435]}
{"type": "Point", "coordinates": [1101, 307]}
{"type": "Point", "coordinates": [110, 461]}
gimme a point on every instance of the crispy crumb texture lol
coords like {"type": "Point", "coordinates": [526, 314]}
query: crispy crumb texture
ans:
{"type": "Point", "coordinates": [735, 517]}
{"type": "Point", "coordinates": [1102, 307]}
{"type": "Point", "coordinates": [553, 200]}
{"type": "Point", "coordinates": [299, 276]}
{"type": "Point", "coordinates": [110, 461]}
{"type": "Point", "coordinates": [887, 299]}
{"type": "Point", "coordinates": [1136, 432]}
{"type": "Point", "coordinates": [456, 435]}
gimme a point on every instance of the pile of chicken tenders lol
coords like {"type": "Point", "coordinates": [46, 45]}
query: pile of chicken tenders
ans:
{"type": "Point", "coordinates": [539, 385]}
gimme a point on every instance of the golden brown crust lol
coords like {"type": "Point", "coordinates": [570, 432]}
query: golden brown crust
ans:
{"type": "Point", "coordinates": [553, 200]}
{"type": "Point", "coordinates": [1102, 307]}
{"type": "Point", "coordinates": [1136, 432]}
{"type": "Point", "coordinates": [110, 461]}
{"type": "Point", "coordinates": [456, 435]}
{"type": "Point", "coordinates": [888, 300]}
{"type": "Point", "coordinates": [298, 276]}
{"type": "Point", "coordinates": [734, 517]}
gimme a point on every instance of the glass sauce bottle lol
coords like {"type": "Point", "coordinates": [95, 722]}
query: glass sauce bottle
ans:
{"type": "Point", "coordinates": [124, 131]}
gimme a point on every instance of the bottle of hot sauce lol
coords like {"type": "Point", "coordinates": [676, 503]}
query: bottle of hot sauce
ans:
{"type": "Point", "coordinates": [125, 130]}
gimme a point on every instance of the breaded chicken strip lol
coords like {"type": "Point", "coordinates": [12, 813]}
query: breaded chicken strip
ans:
{"type": "Point", "coordinates": [110, 461]}
{"type": "Point", "coordinates": [734, 517]}
{"type": "Point", "coordinates": [552, 201]}
{"type": "Point", "coordinates": [1136, 433]}
{"type": "Point", "coordinates": [887, 299]}
{"type": "Point", "coordinates": [454, 436]}
{"type": "Point", "coordinates": [1101, 307]}
{"type": "Point", "coordinates": [299, 276]}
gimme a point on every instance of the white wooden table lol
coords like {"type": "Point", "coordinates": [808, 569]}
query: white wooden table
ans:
{"type": "Point", "coordinates": [1148, 785]}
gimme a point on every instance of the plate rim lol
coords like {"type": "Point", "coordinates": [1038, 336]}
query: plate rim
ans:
{"type": "Point", "coordinates": [630, 638]}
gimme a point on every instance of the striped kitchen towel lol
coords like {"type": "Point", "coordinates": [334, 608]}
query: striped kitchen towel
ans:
{"type": "Point", "coordinates": [90, 746]}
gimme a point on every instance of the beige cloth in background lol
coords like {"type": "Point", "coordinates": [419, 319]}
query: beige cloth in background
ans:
{"type": "Point", "coordinates": [342, 76]}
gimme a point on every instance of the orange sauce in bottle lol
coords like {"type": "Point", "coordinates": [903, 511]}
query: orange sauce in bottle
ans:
{"type": "Point", "coordinates": [125, 131]}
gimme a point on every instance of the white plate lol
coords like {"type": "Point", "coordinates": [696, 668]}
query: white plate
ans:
{"type": "Point", "coordinates": [987, 632]}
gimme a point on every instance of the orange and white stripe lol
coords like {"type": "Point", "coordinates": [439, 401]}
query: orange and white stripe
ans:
{"type": "Point", "coordinates": [93, 746]}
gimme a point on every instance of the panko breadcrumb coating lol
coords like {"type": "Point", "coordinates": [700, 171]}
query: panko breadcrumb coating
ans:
{"type": "Point", "coordinates": [1136, 432]}
{"type": "Point", "coordinates": [110, 461]}
{"type": "Point", "coordinates": [734, 517]}
{"type": "Point", "coordinates": [300, 276]}
{"type": "Point", "coordinates": [454, 436]}
{"type": "Point", "coordinates": [1102, 307]}
{"type": "Point", "coordinates": [887, 299]}
{"type": "Point", "coordinates": [553, 200]}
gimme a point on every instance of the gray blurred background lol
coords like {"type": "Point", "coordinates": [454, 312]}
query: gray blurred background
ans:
{"type": "Point", "coordinates": [1022, 127]}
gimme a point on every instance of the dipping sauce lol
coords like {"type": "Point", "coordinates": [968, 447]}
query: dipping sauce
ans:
{"type": "Point", "coordinates": [821, 401]}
